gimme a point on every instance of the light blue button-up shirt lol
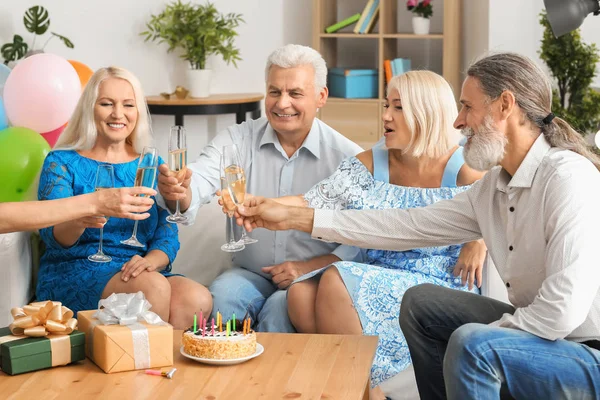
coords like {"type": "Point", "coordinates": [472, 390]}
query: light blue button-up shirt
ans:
{"type": "Point", "coordinates": [271, 173]}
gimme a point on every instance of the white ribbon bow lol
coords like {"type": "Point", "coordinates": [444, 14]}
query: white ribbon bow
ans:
{"type": "Point", "coordinates": [126, 309]}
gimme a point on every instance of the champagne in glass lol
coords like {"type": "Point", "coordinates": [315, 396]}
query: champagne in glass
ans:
{"type": "Point", "coordinates": [231, 245]}
{"type": "Point", "coordinates": [236, 182]}
{"type": "Point", "coordinates": [144, 176]}
{"type": "Point", "coordinates": [177, 164]}
{"type": "Point", "coordinates": [105, 179]}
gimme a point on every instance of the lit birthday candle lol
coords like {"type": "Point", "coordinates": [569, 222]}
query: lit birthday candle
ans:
{"type": "Point", "coordinates": [233, 322]}
{"type": "Point", "coordinates": [228, 328]}
{"type": "Point", "coordinates": [194, 322]}
{"type": "Point", "coordinates": [201, 319]}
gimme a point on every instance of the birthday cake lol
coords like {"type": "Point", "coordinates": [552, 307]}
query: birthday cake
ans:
{"type": "Point", "coordinates": [220, 344]}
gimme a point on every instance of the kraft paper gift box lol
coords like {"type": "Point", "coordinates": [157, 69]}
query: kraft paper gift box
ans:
{"type": "Point", "coordinates": [42, 336]}
{"type": "Point", "coordinates": [119, 347]}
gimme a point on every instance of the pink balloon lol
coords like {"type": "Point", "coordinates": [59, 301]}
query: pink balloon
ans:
{"type": "Point", "coordinates": [52, 136]}
{"type": "Point", "coordinates": [41, 92]}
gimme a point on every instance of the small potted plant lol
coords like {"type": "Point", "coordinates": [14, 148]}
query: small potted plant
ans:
{"type": "Point", "coordinates": [36, 21]}
{"type": "Point", "coordinates": [422, 11]}
{"type": "Point", "coordinates": [199, 31]}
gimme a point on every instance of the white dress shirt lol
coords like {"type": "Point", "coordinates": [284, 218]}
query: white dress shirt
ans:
{"type": "Point", "coordinates": [541, 228]}
{"type": "Point", "coordinates": [271, 173]}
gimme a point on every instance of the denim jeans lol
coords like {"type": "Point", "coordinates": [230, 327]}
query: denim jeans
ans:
{"type": "Point", "coordinates": [238, 291]}
{"type": "Point", "coordinates": [456, 354]}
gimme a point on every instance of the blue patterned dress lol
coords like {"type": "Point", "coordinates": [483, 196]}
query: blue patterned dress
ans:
{"type": "Point", "coordinates": [65, 274]}
{"type": "Point", "coordinates": [377, 281]}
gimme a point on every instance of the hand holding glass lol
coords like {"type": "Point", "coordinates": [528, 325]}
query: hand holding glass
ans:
{"type": "Point", "coordinates": [105, 179]}
{"type": "Point", "coordinates": [236, 182]}
{"type": "Point", "coordinates": [232, 245]}
{"type": "Point", "coordinates": [144, 176]}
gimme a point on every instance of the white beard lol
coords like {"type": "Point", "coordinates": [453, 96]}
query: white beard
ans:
{"type": "Point", "coordinates": [485, 146]}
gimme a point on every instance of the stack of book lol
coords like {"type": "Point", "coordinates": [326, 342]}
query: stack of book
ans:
{"type": "Point", "coordinates": [395, 67]}
{"type": "Point", "coordinates": [365, 21]}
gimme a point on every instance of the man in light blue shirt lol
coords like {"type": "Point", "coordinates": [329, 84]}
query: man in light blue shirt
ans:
{"type": "Point", "coordinates": [284, 154]}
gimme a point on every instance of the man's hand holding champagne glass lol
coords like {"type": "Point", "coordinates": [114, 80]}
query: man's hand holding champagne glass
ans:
{"type": "Point", "coordinates": [262, 212]}
{"type": "Point", "coordinates": [174, 179]}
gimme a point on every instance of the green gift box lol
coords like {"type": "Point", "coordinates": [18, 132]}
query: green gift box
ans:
{"type": "Point", "coordinates": [25, 354]}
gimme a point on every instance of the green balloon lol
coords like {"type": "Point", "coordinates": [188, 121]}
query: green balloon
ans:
{"type": "Point", "coordinates": [22, 154]}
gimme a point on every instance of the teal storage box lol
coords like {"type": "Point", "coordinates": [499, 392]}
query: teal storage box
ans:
{"type": "Point", "coordinates": [352, 83]}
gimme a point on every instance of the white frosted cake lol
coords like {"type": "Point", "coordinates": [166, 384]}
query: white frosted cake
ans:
{"type": "Point", "coordinates": [219, 346]}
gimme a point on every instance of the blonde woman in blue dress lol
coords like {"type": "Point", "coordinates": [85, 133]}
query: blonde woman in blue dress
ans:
{"type": "Point", "coordinates": [420, 164]}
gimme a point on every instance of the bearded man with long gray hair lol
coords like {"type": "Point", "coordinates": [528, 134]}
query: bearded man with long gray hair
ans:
{"type": "Point", "coordinates": [537, 210]}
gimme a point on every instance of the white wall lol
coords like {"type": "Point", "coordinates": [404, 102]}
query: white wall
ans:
{"type": "Point", "coordinates": [475, 30]}
{"type": "Point", "coordinates": [106, 33]}
{"type": "Point", "coordinates": [514, 26]}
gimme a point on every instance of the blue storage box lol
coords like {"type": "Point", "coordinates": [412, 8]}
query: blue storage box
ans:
{"type": "Point", "coordinates": [352, 83]}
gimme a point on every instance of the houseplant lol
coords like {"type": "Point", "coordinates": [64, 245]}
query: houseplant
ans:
{"type": "Point", "coordinates": [36, 21]}
{"type": "Point", "coordinates": [199, 31]}
{"type": "Point", "coordinates": [422, 11]}
{"type": "Point", "coordinates": [572, 63]}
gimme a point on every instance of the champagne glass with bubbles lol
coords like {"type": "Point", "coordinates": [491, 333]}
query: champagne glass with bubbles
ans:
{"type": "Point", "coordinates": [144, 176]}
{"type": "Point", "coordinates": [236, 182]}
{"type": "Point", "coordinates": [105, 179]}
{"type": "Point", "coordinates": [232, 245]}
{"type": "Point", "coordinates": [177, 164]}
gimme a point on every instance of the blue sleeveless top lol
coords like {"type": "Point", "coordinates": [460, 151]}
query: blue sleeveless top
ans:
{"type": "Point", "coordinates": [381, 166]}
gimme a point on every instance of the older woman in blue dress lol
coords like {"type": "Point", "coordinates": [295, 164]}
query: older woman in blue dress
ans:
{"type": "Point", "coordinates": [110, 125]}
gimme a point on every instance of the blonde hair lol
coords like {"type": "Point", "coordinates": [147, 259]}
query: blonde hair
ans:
{"type": "Point", "coordinates": [81, 131]}
{"type": "Point", "coordinates": [429, 111]}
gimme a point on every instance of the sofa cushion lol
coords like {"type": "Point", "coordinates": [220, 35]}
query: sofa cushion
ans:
{"type": "Point", "coordinates": [16, 287]}
{"type": "Point", "coordinates": [200, 257]}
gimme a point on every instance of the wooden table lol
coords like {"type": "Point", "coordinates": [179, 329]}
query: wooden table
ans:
{"type": "Point", "coordinates": [293, 366]}
{"type": "Point", "coordinates": [235, 103]}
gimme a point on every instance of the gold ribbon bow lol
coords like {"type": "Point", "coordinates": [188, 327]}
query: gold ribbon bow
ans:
{"type": "Point", "coordinates": [42, 318]}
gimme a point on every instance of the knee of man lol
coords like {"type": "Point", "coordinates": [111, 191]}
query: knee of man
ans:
{"type": "Point", "coordinates": [466, 342]}
{"type": "Point", "coordinates": [413, 300]}
{"type": "Point", "coordinates": [277, 300]}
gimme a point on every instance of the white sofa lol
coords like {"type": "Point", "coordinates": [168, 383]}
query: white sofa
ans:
{"type": "Point", "coordinates": [200, 258]}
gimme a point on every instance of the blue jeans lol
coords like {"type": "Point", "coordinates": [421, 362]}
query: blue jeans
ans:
{"type": "Point", "coordinates": [481, 358]}
{"type": "Point", "coordinates": [456, 355]}
{"type": "Point", "coordinates": [237, 291]}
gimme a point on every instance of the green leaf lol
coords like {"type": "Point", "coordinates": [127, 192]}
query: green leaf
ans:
{"type": "Point", "coordinates": [197, 29]}
{"type": "Point", "coordinates": [66, 41]}
{"type": "Point", "coordinates": [15, 50]}
{"type": "Point", "coordinates": [572, 64]}
{"type": "Point", "coordinates": [36, 20]}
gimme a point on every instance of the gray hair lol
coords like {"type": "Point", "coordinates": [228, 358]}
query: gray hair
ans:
{"type": "Point", "coordinates": [81, 131]}
{"type": "Point", "coordinates": [533, 94]}
{"type": "Point", "coordinates": [295, 55]}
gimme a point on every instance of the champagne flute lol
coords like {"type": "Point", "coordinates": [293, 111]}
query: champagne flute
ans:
{"type": "Point", "coordinates": [231, 245]}
{"type": "Point", "coordinates": [144, 176]}
{"type": "Point", "coordinates": [236, 179]}
{"type": "Point", "coordinates": [105, 179]}
{"type": "Point", "coordinates": [177, 163]}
